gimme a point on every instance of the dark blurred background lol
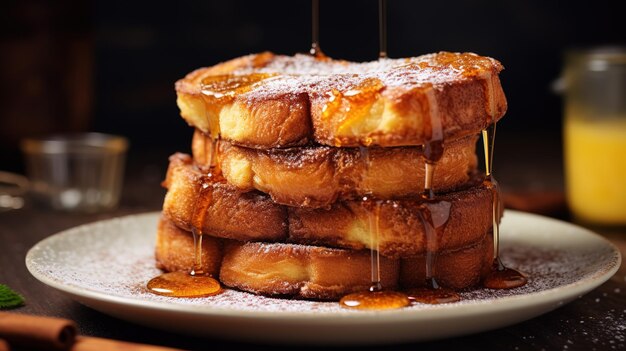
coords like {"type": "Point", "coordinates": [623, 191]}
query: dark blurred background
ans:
{"type": "Point", "coordinates": [110, 66]}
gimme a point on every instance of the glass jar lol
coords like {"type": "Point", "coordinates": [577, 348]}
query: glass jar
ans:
{"type": "Point", "coordinates": [76, 172]}
{"type": "Point", "coordinates": [594, 87]}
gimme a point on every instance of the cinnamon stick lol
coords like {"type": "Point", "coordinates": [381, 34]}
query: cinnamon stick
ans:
{"type": "Point", "coordinates": [49, 333]}
{"type": "Point", "coordinates": [37, 332]}
{"type": "Point", "coordinates": [84, 343]}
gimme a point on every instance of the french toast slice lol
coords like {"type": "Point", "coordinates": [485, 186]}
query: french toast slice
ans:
{"type": "Point", "coordinates": [313, 272]}
{"type": "Point", "coordinates": [218, 209]}
{"type": "Point", "coordinates": [318, 176]}
{"type": "Point", "coordinates": [304, 271]}
{"type": "Point", "coordinates": [272, 101]}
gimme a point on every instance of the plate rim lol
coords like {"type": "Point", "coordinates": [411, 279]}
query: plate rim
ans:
{"type": "Point", "coordinates": [561, 293]}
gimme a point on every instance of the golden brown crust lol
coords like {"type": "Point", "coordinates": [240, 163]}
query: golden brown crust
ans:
{"type": "Point", "coordinates": [317, 176]}
{"type": "Point", "coordinates": [269, 101]}
{"type": "Point", "coordinates": [227, 213]}
{"type": "Point", "coordinates": [456, 269]}
{"type": "Point", "coordinates": [314, 272]}
{"type": "Point", "coordinates": [462, 217]}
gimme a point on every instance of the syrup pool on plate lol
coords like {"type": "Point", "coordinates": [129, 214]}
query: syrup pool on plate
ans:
{"type": "Point", "coordinates": [195, 283]}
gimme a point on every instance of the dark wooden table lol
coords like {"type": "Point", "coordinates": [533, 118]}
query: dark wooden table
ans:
{"type": "Point", "coordinates": [596, 321]}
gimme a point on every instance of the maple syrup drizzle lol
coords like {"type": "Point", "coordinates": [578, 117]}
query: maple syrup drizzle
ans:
{"type": "Point", "coordinates": [376, 298]}
{"type": "Point", "coordinates": [429, 172]}
{"type": "Point", "coordinates": [374, 221]}
{"type": "Point", "coordinates": [315, 21]}
{"type": "Point", "coordinates": [382, 27]}
{"type": "Point", "coordinates": [315, 30]}
{"type": "Point", "coordinates": [373, 207]}
{"type": "Point", "coordinates": [433, 151]}
{"type": "Point", "coordinates": [500, 277]}
{"type": "Point", "coordinates": [207, 150]}
{"type": "Point", "coordinates": [488, 137]}
{"type": "Point", "coordinates": [197, 282]}
{"type": "Point", "coordinates": [434, 228]}
{"type": "Point", "coordinates": [433, 293]}
{"type": "Point", "coordinates": [198, 268]}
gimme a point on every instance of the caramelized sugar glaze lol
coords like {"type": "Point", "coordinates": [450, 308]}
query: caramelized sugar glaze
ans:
{"type": "Point", "coordinates": [340, 101]}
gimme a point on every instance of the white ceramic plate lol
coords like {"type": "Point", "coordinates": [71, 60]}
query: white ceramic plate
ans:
{"type": "Point", "coordinates": [106, 264]}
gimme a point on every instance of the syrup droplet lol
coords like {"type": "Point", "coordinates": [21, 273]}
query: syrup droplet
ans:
{"type": "Point", "coordinates": [315, 30]}
{"type": "Point", "coordinates": [501, 277]}
{"type": "Point", "coordinates": [196, 283]}
{"type": "Point", "coordinates": [382, 27]}
{"type": "Point", "coordinates": [183, 284]}
{"type": "Point", "coordinates": [375, 300]}
{"type": "Point", "coordinates": [432, 296]}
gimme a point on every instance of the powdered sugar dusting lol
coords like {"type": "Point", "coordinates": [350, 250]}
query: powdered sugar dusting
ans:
{"type": "Point", "coordinates": [306, 74]}
{"type": "Point", "coordinates": [116, 258]}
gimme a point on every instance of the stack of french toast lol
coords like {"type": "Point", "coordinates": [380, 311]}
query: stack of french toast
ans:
{"type": "Point", "coordinates": [302, 167]}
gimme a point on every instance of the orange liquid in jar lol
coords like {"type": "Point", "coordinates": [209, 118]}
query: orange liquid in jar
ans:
{"type": "Point", "coordinates": [595, 169]}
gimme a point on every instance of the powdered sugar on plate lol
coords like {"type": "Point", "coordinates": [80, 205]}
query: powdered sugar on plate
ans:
{"type": "Point", "coordinates": [115, 258]}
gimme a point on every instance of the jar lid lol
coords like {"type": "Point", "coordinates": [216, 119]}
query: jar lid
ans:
{"type": "Point", "coordinates": [597, 58]}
